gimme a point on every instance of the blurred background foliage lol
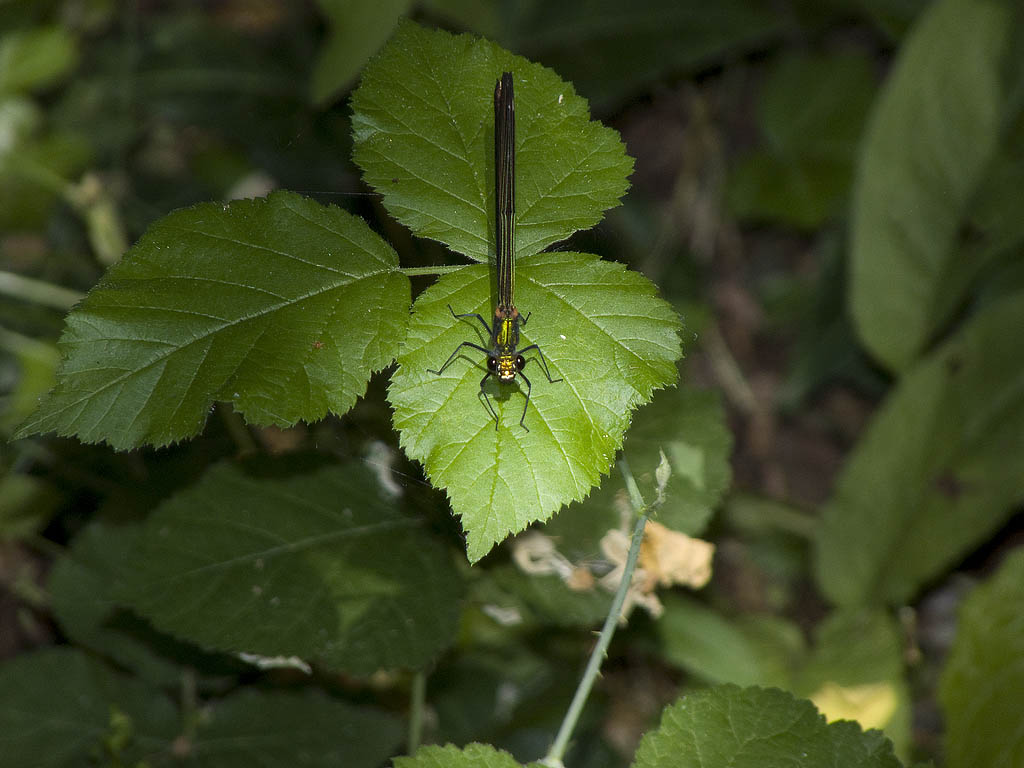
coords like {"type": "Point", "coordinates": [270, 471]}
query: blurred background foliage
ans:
{"type": "Point", "coordinates": [870, 489]}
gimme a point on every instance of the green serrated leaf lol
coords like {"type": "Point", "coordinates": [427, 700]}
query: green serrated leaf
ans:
{"type": "Point", "coordinates": [940, 467]}
{"type": "Point", "coordinates": [450, 756]}
{"type": "Point", "coordinates": [424, 137]}
{"type": "Point", "coordinates": [58, 707]}
{"type": "Point", "coordinates": [284, 729]}
{"type": "Point", "coordinates": [357, 30]}
{"type": "Point", "coordinates": [757, 728]}
{"type": "Point", "coordinates": [982, 683]}
{"type": "Point", "coordinates": [281, 306]}
{"type": "Point", "coordinates": [601, 328]}
{"type": "Point", "coordinates": [318, 565]}
{"type": "Point", "coordinates": [934, 130]}
{"type": "Point", "coordinates": [32, 59]}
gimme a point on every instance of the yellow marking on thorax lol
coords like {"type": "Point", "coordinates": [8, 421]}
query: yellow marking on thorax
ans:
{"type": "Point", "coordinates": [504, 337]}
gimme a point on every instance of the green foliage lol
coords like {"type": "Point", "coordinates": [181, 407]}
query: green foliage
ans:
{"type": "Point", "coordinates": [423, 127]}
{"type": "Point", "coordinates": [934, 131]}
{"type": "Point", "coordinates": [35, 163]}
{"type": "Point", "coordinates": [254, 728]}
{"type": "Point", "coordinates": [983, 680]}
{"type": "Point", "coordinates": [748, 727]}
{"type": "Point", "coordinates": [273, 610]}
{"type": "Point", "coordinates": [610, 49]}
{"type": "Point", "coordinates": [357, 31]}
{"type": "Point", "coordinates": [261, 303]}
{"type": "Point", "coordinates": [689, 426]}
{"type": "Point", "coordinates": [471, 756]}
{"type": "Point", "coordinates": [756, 650]}
{"type": "Point", "coordinates": [58, 707]}
{"type": "Point", "coordinates": [868, 675]}
{"type": "Point", "coordinates": [539, 599]}
{"type": "Point", "coordinates": [96, 716]}
{"type": "Point", "coordinates": [271, 565]}
{"type": "Point", "coordinates": [601, 328]}
{"type": "Point", "coordinates": [939, 468]}
{"type": "Point", "coordinates": [34, 59]}
{"type": "Point", "coordinates": [810, 116]}
{"type": "Point", "coordinates": [26, 506]}
{"type": "Point", "coordinates": [82, 594]}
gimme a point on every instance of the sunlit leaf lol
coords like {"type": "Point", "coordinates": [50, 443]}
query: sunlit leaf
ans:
{"type": "Point", "coordinates": [423, 121]}
{"type": "Point", "coordinates": [601, 328]}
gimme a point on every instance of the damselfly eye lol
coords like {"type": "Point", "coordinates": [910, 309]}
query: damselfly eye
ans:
{"type": "Point", "coordinates": [492, 364]}
{"type": "Point", "coordinates": [520, 362]}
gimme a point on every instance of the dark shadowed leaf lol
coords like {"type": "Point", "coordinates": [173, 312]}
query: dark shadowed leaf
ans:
{"type": "Point", "coordinates": [287, 729]}
{"type": "Point", "coordinates": [319, 565]}
{"type": "Point", "coordinates": [58, 707]}
{"type": "Point", "coordinates": [811, 113]}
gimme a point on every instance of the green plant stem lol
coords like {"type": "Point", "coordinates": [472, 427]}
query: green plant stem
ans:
{"type": "Point", "coordinates": [417, 701]}
{"type": "Point", "coordinates": [413, 271]}
{"type": "Point", "coordinates": [561, 743]}
{"type": "Point", "coordinates": [39, 291]}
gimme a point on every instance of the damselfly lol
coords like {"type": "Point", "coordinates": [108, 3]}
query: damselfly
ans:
{"type": "Point", "coordinates": [504, 360]}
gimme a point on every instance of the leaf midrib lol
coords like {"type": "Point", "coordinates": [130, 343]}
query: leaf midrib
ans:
{"type": "Point", "coordinates": [163, 355]}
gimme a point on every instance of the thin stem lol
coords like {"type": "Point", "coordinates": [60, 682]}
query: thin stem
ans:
{"type": "Point", "coordinates": [572, 716]}
{"type": "Point", "coordinates": [39, 291]}
{"type": "Point", "coordinates": [441, 270]}
{"type": "Point", "coordinates": [417, 701]}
